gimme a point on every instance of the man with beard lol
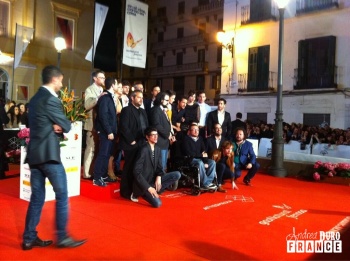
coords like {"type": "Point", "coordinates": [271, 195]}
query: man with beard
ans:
{"type": "Point", "coordinates": [245, 157]}
{"type": "Point", "coordinates": [133, 122]}
{"type": "Point", "coordinates": [215, 141]}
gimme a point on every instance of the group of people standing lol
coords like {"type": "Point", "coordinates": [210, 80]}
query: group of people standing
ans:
{"type": "Point", "coordinates": [145, 130]}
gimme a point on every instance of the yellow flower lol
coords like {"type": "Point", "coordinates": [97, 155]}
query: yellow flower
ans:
{"type": "Point", "coordinates": [73, 108]}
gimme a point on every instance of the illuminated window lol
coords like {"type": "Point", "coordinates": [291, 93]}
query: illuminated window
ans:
{"type": "Point", "coordinates": [4, 18]}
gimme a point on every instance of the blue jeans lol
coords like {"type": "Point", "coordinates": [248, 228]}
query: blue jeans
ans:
{"type": "Point", "coordinates": [167, 180]}
{"type": "Point", "coordinates": [164, 154]}
{"type": "Point", "coordinates": [104, 153]}
{"type": "Point", "coordinates": [223, 172]}
{"type": "Point", "coordinates": [117, 160]}
{"type": "Point", "coordinates": [57, 176]}
{"type": "Point", "coordinates": [206, 175]}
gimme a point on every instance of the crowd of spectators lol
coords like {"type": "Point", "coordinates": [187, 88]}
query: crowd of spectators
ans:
{"type": "Point", "coordinates": [303, 133]}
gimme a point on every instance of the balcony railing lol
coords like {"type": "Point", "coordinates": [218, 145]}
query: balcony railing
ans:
{"type": "Point", "coordinates": [214, 5]}
{"type": "Point", "coordinates": [180, 69]}
{"type": "Point", "coordinates": [306, 6]}
{"type": "Point", "coordinates": [243, 83]}
{"type": "Point", "coordinates": [181, 42]}
{"type": "Point", "coordinates": [316, 81]}
{"type": "Point", "coordinates": [247, 17]}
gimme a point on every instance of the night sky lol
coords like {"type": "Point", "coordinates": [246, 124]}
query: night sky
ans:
{"type": "Point", "coordinates": [106, 51]}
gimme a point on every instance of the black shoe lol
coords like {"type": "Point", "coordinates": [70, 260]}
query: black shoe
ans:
{"type": "Point", "coordinates": [70, 242]}
{"type": "Point", "coordinates": [247, 182]}
{"type": "Point", "coordinates": [36, 243]}
{"type": "Point", "coordinates": [109, 180]}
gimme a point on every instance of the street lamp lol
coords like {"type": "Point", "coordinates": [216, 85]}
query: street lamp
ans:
{"type": "Point", "coordinates": [277, 155]}
{"type": "Point", "coordinates": [227, 41]}
{"type": "Point", "coordinates": [60, 44]}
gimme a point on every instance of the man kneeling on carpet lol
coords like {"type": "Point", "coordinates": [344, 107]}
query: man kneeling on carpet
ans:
{"type": "Point", "coordinates": [245, 157]}
{"type": "Point", "coordinates": [225, 166]}
{"type": "Point", "coordinates": [150, 178]}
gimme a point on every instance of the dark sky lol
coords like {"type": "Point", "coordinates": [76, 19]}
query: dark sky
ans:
{"type": "Point", "coordinates": [106, 51]}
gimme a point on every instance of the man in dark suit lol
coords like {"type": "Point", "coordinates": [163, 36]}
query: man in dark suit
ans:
{"type": "Point", "coordinates": [3, 120]}
{"type": "Point", "coordinates": [150, 178]}
{"type": "Point", "coordinates": [237, 123]}
{"type": "Point", "coordinates": [133, 122]}
{"type": "Point", "coordinates": [149, 103]}
{"type": "Point", "coordinates": [244, 156]}
{"type": "Point", "coordinates": [106, 128]}
{"type": "Point", "coordinates": [159, 119]}
{"type": "Point", "coordinates": [215, 141]}
{"type": "Point", "coordinates": [47, 123]}
{"type": "Point", "coordinates": [219, 116]}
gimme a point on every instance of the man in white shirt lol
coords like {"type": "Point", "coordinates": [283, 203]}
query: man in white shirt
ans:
{"type": "Point", "coordinates": [125, 96]}
{"type": "Point", "coordinates": [204, 110]}
{"type": "Point", "coordinates": [219, 116]}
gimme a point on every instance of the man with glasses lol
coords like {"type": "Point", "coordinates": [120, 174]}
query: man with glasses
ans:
{"type": "Point", "coordinates": [150, 180]}
{"type": "Point", "coordinates": [193, 146]}
{"type": "Point", "coordinates": [92, 94]}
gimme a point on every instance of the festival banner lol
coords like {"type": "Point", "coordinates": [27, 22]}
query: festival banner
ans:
{"type": "Point", "coordinates": [100, 17]}
{"type": "Point", "coordinates": [23, 36]}
{"type": "Point", "coordinates": [135, 34]}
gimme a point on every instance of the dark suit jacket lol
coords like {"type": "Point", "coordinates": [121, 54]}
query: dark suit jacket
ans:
{"type": "Point", "coordinates": [246, 154]}
{"type": "Point", "coordinates": [212, 118]}
{"type": "Point", "coordinates": [237, 123]}
{"type": "Point", "coordinates": [211, 143]}
{"type": "Point", "coordinates": [147, 103]}
{"type": "Point", "coordinates": [159, 120]}
{"type": "Point", "coordinates": [45, 110]}
{"type": "Point", "coordinates": [130, 127]}
{"type": "Point", "coordinates": [106, 119]}
{"type": "Point", "coordinates": [3, 118]}
{"type": "Point", "coordinates": [146, 170]}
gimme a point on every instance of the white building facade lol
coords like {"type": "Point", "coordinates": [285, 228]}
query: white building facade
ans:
{"type": "Point", "coordinates": [316, 61]}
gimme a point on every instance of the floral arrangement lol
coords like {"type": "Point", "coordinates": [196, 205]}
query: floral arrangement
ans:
{"type": "Point", "coordinates": [73, 108]}
{"type": "Point", "coordinates": [23, 136]}
{"type": "Point", "coordinates": [331, 169]}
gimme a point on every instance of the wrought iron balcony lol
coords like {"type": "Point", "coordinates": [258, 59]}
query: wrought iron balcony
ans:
{"type": "Point", "coordinates": [179, 43]}
{"type": "Point", "coordinates": [189, 68]}
{"type": "Point", "coordinates": [328, 79]}
{"type": "Point", "coordinates": [213, 6]}
{"type": "Point", "coordinates": [249, 16]}
{"type": "Point", "coordinates": [307, 6]}
{"type": "Point", "coordinates": [271, 85]}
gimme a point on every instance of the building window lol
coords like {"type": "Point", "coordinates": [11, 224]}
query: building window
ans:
{"type": "Point", "coordinates": [181, 8]}
{"type": "Point", "coordinates": [179, 58]}
{"type": "Point", "coordinates": [4, 18]}
{"type": "Point", "coordinates": [161, 12]}
{"type": "Point", "coordinates": [257, 118]}
{"type": "Point", "coordinates": [180, 32]}
{"type": "Point", "coordinates": [316, 119]}
{"type": "Point", "coordinates": [216, 83]}
{"type": "Point", "coordinates": [260, 10]}
{"type": "Point", "coordinates": [160, 61]}
{"type": "Point", "coordinates": [179, 86]}
{"type": "Point", "coordinates": [66, 19]}
{"type": "Point", "coordinates": [160, 36]}
{"type": "Point", "coordinates": [201, 55]}
{"type": "Point", "coordinates": [219, 54]}
{"type": "Point", "coordinates": [200, 82]}
{"type": "Point", "coordinates": [316, 63]}
{"type": "Point", "coordinates": [220, 24]}
{"type": "Point", "coordinates": [258, 68]}
{"type": "Point", "coordinates": [202, 28]}
{"type": "Point", "coordinates": [203, 2]}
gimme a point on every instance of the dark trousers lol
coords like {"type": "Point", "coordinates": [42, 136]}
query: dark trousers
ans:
{"type": "Point", "coordinates": [223, 172]}
{"type": "Point", "coordinates": [126, 182]}
{"type": "Point", "coordinates": [251, 172]}
{"type": "Point", "coordinates": [104, 153]}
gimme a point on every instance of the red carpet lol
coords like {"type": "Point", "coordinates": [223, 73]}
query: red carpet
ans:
{"type": "Point", "coordinates": [251, 223]}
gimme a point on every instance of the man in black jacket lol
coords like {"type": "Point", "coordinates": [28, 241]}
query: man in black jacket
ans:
{"type": "Point", "coordinates": [150, 178]}
{"type": "Point", "coordinates": [133, 122]}
{"type": "Point", "coordinates": [106, 127]}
